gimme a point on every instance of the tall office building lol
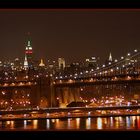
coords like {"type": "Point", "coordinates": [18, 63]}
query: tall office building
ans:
{"type": "Point", "coordinates": [41, 63]}
{"type": "Point", "coordinates": [91, 62]}
{"type": "Point", "coordinates": [110, 57]}
{"type": "Point", "coordinates": [29, 52]}
{"type": "Point", "coordinates": [109, 60]}
{"type": "Point", "coordinates": [25, 62]}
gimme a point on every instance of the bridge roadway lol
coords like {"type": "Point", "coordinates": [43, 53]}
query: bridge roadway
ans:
{"type": "Point", "coordinates": [83, 83]}
{"type": "Point", "coordinates": [68, 109]}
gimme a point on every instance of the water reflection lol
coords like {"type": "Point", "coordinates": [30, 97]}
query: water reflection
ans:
{"type": "Point", "coordinates": [111, 121]}
{"type": "Point", "coordinates": [116, 122]}
{"type": "Point", "coordinates": [35, 124]}
{"type": "Point", "coordinates": [105, 121]}
{"type": "Point", "coordinates": [138, 122]}
{"type": "Point", "coordinates": [128, 122]}
{"type": "Point", "coordinates": [88, 123]}
{"type": "Point", "coordinates": [25, 124]}
{"type": "Point", "coordinates": [99, 123]}
{"type": "Point", "coordinates": [53, 120]}
{"type": "Point", "coordinates": [133, 120]}
{"type": "Point", "coordinates": [77, 123]}
{"type": "Point", "coordinates": [48, 123]}
{"type": "Point", "coordinates": [12, 124]}
{"type": "Point", "coordinates": [7, 122]}
{"type": "Point", "coordinates": [69, 122]}
{"type": "Point", "coordinates": [57, 124]}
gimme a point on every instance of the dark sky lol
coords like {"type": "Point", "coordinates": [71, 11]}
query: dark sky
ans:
{"type": "Point", "coordinates": [72, 34]}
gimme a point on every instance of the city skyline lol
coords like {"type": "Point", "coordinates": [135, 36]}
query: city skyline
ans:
{"type": "Point", "coordinates": [70, 70]}
{"type": "Point", "coordinates": [71, 34]}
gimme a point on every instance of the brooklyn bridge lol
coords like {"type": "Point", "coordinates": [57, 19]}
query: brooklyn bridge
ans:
{"type": "Point", "coordinates": [119, 77]}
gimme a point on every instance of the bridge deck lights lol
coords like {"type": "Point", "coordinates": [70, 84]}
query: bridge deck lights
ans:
{"type": "Point", "coordinates": [115, 78]}
{"type": "Point", "coordinates": [103, 66]}
{"type": "Point", "coordinates": [81, 73]}
{"type": "Point", "coordinates": [117, 68]}
{"type": "Point", "coordinates": [3, 93]}
{"type": "Point", "coordinates": [128, 54]}
{"type": "Point", "coordinates": [111, 70]}
{"type": "Point", "coordinates": [91, 79]}
{"type": "Point", "coordinates": [86, 71]}
{"type": "Point", "coordinates": [106, 72]}
{"type": "Point", "coordinates": [60, 77]}
{"type": "Point", "coordinates": [128, 77]}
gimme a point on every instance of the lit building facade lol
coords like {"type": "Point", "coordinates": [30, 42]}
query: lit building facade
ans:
{"type": "Point", "coordinates": [61, 63]}
{"type": "Point", "coordinates": [91, 62]}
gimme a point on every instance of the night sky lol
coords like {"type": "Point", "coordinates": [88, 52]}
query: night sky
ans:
{"type": "Point", "coordinates": [72, 34]}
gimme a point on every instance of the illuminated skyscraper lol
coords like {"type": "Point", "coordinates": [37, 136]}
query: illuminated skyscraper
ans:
{"type": "Point", "coordinates": [25, 62]}
{"type": "Point", "coordinates": [110, 57]}
{"type": "Point", "coordinates": [109, 60]}
{"type": "Point", "coordinates": [29, 52]}
{"type": "Point", "coordinates": [41, 63]}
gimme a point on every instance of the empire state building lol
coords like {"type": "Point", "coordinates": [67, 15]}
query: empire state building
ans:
{"type": "Point", "coordinates": [29, 53]}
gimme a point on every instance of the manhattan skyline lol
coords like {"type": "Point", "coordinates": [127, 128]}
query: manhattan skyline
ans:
{"type": "Point", "coordinates": [72, 34]}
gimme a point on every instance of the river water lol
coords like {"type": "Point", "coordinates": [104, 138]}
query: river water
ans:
{"type": "Point", "coordinates": [97, 123]}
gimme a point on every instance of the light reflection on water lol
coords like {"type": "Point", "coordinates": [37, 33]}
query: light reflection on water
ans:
{"type": "Point", "coordinates": [111, 122]}
{"type": "Point", "coordinates": [88, 123]}
{"type": "Point", "coordinates": [35, 124]}
{"type": "Point", "coordinates": [77, 123]}
{"type": "Point", "coordinates": [128, 122]}
{"type": "Point", "coordinates": [69, 122]}
{"type": "Point", "coordinates": [48, 123]}
{"type": "Point", "coordinates": [25, 124]}
{"type": "Point", "coordinates": [10, 124]}
{"type": "Point", "coordinates": [99, 123]}
{"type": "Point", "coordinates": [57, 124]}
